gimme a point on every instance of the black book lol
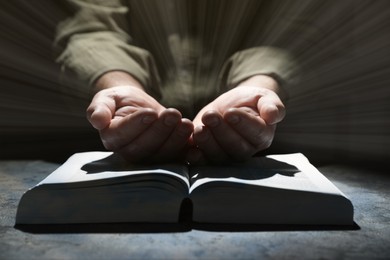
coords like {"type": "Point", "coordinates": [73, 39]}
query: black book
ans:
{"type": "Point", "coordinates": [99, 187]}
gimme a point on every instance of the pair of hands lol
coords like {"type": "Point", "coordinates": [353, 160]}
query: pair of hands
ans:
{"type": "Point", "coordinates": [236, 125]}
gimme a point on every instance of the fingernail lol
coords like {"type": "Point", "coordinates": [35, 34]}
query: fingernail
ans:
{"type": "Point", "coordinates": [212, 121]}
{"type": "Point", "coordinates": [270, 113]}
{"type": "Point", "coordinates": [170, 120]}
{"type": "Point", "coordinates": [233, 119]}
{"type": "Point", "coordinates": [271, 108]}
{"type": "Point", "coordinates": [97, 114]}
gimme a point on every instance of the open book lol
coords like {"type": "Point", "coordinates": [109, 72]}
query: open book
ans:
{"type": "Point", "coordinates": [99, 187]}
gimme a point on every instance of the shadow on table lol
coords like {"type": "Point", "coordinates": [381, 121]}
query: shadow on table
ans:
{"type": "Point", "coordinates": [173, 228]}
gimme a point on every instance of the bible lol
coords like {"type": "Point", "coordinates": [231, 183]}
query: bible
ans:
{"type": "Point", "coordinates": [100, 187]}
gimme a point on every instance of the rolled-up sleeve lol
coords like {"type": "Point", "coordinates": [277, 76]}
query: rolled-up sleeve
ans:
{"type": "Point", "coordinates": [94, 40]}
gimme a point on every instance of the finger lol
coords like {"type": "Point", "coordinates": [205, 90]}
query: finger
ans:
{"type": "Point", "coordinates": [176, 143]}
{"type": "Point", "coordinates": [251, 128]}
{"type": "Point", "coordinates": [101, 111]}
{"type": "Point", "coordinates": [271, 108]}
{"type": "Point", "coordinates": [123, 130]}
{"type": "Point", "coordinates": [150, 141]}
{"type": "Point", "coordinates": [205, 141]}
{"type": "Point", "coordinates": [227, 137]}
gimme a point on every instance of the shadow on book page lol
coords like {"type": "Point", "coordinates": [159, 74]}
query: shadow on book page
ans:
{"type": "Point", "coordinates": [255, 169]}
{"type": "Point", "coordinates": [112, 162]}
{"type": "Point", "coordinates": [115, 163]}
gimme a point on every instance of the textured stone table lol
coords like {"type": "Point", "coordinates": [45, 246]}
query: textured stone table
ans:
{"type": "Point", "coordinates": [368, 190]}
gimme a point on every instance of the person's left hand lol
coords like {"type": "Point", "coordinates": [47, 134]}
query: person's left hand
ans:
{"type": "Point", "coordinates": [239, 123]}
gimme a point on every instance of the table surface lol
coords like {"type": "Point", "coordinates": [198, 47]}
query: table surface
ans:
{"type": "Point", "coordinates": [368, 190]}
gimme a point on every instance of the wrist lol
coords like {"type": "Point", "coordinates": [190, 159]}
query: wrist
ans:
{"type": "Point", "coordinates": [115, 78]}
{"type": "Point", "coordinates": [265, 82]}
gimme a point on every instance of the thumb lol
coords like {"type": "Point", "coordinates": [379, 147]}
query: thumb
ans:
{"type": "Point", "coordinates": [272, 111]}
{"type": "Point", "coordinates": [100, 112]}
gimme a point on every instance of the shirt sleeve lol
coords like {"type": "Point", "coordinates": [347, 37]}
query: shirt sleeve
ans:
{"type": "Point", "coordinates": [280, 45]}
{"type": "Point", "coordinates": [94, 40]}
{"type": "Point", "coordinates": [265, 60]}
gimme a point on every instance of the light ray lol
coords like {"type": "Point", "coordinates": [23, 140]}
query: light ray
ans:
{"type": "Point", "coordinates": [341, 105]}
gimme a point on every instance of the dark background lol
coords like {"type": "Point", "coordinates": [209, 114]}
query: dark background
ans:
{"type": "Point", "coordinates": [339, 112]}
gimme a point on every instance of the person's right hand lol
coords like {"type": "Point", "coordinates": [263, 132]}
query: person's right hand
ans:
{"type": "Point", "coordinates": [136, 126]}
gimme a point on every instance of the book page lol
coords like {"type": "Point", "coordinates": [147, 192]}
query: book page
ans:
{"type": "Point", "coordinates": [282, 171]}
{"type": "Point", "coordinates": [90, 166]}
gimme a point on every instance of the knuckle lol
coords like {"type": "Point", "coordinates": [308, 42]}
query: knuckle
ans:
{"type": "Point", "coordinates": [109, 141]}
{"type": "Point", "coordinates": [108, 144]}
{"type": "Point", "coordinates": [264, 144]}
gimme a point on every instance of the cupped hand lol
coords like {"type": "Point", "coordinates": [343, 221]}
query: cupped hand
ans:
{"type": "Point", "coordinates": [135, 125]}
{"type": "Point", "coordinates": [239, 123]}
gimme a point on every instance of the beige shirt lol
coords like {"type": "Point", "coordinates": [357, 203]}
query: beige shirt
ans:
{"type": "Point", "coordinates": [185, 53]}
